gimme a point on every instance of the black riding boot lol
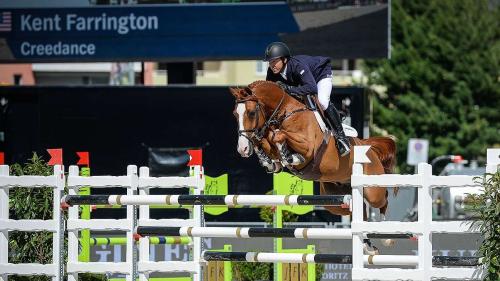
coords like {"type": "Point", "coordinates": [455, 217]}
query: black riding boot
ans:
{"type": "Point", "coordinates": [335, 125]}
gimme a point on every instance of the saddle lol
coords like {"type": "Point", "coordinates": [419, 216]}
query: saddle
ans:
{"type": "Point", "coordinates": [312, 102]}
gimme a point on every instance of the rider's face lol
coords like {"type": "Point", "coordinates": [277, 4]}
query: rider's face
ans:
{"type": "Point", "coordinates": [276, 65]}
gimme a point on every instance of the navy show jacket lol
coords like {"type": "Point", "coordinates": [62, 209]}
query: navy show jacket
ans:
{"type": "Point", "coordinates": [303, 73]}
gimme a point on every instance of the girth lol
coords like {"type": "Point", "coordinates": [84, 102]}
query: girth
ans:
{"type": "Point", "coordinates": [311, 170]}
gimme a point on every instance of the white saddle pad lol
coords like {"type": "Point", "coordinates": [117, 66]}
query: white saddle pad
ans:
{"type": "Point", "coordinates": [348, 130]}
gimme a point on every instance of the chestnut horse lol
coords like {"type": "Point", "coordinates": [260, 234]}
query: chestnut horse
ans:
{"type": "Point", "coordinates": [271, 122]}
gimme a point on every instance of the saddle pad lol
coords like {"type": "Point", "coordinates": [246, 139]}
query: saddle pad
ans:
{"type": "Point", "coordinates": [348, 130]}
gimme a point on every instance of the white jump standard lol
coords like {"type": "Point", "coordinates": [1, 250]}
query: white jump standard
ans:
{"type": "Point", "coordinates": [218, 200]}
{"type": "Point", "coordinates": [250, 232]}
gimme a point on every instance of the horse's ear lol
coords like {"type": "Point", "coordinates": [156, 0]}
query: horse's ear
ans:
{"type": "Point", "coordinates": [235, 92]}
{"type": "Point", "coordinates": [248, 91]}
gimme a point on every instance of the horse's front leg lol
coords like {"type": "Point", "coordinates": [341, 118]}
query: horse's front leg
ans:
{"type": "Point", "coordinates": [271, 166]}
{"type": "Point", "coordinates": [288, 158]}
{"type": "Point", "coordinates": [267, 156]}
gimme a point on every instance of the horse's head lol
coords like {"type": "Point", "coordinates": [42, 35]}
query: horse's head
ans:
{"type": "Point", "coordinates": [250, 115]}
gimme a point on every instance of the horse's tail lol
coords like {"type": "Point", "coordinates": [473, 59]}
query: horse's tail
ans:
{"type": "Point", "coordinates": [385, 148]}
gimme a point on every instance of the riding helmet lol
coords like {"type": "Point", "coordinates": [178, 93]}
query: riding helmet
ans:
{"type": "Point", "coordinates": [276, 50]}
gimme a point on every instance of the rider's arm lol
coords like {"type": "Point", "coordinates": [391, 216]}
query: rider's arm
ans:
{"type": "Point", "coordinates": [307, 82]}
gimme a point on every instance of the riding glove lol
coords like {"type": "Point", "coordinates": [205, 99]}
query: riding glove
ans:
{"type": "Point", "coordinates": [288, 89]}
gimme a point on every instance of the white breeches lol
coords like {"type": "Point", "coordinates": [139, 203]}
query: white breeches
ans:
{"type": "Point", "coordinates": [324, 91]}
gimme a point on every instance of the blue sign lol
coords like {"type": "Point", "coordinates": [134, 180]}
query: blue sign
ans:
{"type": "Point", "coordinates": [166, 32]}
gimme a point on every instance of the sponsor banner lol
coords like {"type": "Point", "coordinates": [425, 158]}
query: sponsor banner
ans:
{"type": "Point", "coordinates": [160, 32]}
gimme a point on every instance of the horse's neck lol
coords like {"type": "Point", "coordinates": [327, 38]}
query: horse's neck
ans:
{"type": "Point", "coordinates": [279, 102]}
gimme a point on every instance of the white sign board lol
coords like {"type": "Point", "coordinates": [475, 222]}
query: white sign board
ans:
{"type": "Point", "coordinates": [418, 151]}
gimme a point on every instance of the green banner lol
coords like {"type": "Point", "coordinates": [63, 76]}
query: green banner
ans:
{"type": "Point", "coordinates": [216, 186]}
{"type": "Point", "coordinates": [287, 184]}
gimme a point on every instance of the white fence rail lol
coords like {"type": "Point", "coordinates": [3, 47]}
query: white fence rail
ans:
{"type": "Point", "coordinates": [141, 265]}
{"type": "Point", "coordinates": [424, 226]}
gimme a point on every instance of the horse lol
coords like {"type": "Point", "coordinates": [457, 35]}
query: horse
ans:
{"type": "Point", "coordinates": [284, 132]}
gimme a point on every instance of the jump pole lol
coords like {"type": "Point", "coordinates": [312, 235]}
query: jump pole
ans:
{"type": "Point", "coordinates": [252, 232]}
{"type": "Point", "coordinates": [216, 200]}
{"type": "Point", "coordinates": [382, 260]}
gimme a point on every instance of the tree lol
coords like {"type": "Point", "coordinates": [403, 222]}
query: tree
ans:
{"type": "Point", "coordinates": [442, 81]}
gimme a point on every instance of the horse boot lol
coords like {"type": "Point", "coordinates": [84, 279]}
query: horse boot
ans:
{"type": "Point", "coordinates": [288, 157]}
{"type": "Point", "coordinates": [335, 125]}
{"type": "Point", "coordinates": [266, 161]}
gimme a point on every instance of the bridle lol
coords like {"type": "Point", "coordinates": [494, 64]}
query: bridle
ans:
{"type": "Point", "coordinates": [258, 133]}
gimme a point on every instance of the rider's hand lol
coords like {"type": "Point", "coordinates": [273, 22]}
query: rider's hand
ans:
{"type": "Point", "coordinates": [288, 89]}
{"type": "Point", "coordinates": [284, 87]}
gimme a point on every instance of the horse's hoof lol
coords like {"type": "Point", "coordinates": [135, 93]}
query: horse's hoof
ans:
{"type": "Point", "coordinates": [388, 242]}
{"type": "Point", "coordinates": [370, 250]}
{"type": "Point", "coordinates": [268, 166]}
{"type": "Point", "coordinates": [277, 167]}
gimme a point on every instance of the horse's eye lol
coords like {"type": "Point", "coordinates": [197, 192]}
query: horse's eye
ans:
{"type": "Point", "coordinates": [251, 114]}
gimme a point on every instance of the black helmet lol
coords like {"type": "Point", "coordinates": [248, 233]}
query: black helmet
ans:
{"type": "Point", "coordinates": [276, 50]}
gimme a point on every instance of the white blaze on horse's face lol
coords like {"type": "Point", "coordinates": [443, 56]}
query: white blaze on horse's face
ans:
{"type": "Point", "coordinates": [244, 145]}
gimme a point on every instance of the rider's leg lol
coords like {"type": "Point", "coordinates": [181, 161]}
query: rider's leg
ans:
{"type": "Point", "coordinates": [324, 92]}
{"type": "Point", "coordinates": [333, 118]}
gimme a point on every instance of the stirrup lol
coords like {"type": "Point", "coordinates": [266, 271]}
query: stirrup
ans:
{"type": "Point", "coordinates": [343, 147]}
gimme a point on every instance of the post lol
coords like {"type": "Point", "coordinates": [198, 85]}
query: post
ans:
{"type": "Point", "coordinates": [85, 233]}
{"type": "Point", "coordinates": [4, 215]}
{"type": "Point", "coordinates": [425, 219]}
{"type": "Point", "coordinates": [144, 242]}
{"type": "Point", "coordinates": [57, 219]}
{"type": "Point", "coordinates": [73, 234]}
{"type": "Point", "coordinates": [132, 222]}
{"type": "Point", "coordinates": [357, 217]}
{"type": "Point", "coordinates": [197, 214]}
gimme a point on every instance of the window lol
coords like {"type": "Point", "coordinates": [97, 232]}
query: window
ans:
{"type": "Point", "coordinates": [261, 67]}
{"type": "Point", "coordinates": [18, 78]}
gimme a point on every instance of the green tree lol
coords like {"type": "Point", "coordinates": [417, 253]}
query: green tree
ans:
{"type": "Point", "coordinates": [442, 81]}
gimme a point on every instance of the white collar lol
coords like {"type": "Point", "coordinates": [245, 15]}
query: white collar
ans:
{"type": "Point", "coordinates": [283, 73]}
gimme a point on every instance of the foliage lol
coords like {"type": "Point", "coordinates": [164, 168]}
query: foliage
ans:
{"type": "Point", "coordinates": [442, 81]}
{"type": "Point", "coordinates": [31, 203]}
{"type": "Point", "coordinates": [487, 207]}
{"type": "Point", "coordinates": [248, 271]}
{"type": "Point", "coordinates": [267, 213]}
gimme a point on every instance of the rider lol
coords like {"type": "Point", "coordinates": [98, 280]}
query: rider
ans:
{"type": "Point", "coordinates": [303, 75]}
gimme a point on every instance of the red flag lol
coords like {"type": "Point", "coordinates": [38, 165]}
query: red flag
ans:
{"type": "Point", "coordinates": [2, 158]}
{"type": "Point", "coordinates": [84, 158]}
{"type": "Point", "coordinates": [56, 155]}
{"type": "Point", "coordinates": [195, 157]}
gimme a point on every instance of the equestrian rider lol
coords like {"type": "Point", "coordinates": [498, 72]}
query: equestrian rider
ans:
{"type": "Point", "coordinates": [303, 75]}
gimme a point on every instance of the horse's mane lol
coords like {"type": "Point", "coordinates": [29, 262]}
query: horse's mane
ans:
{"type": "Point", "coordinates": [254, 87]}
{"type": "Point", "coordinates": [259, 83]}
